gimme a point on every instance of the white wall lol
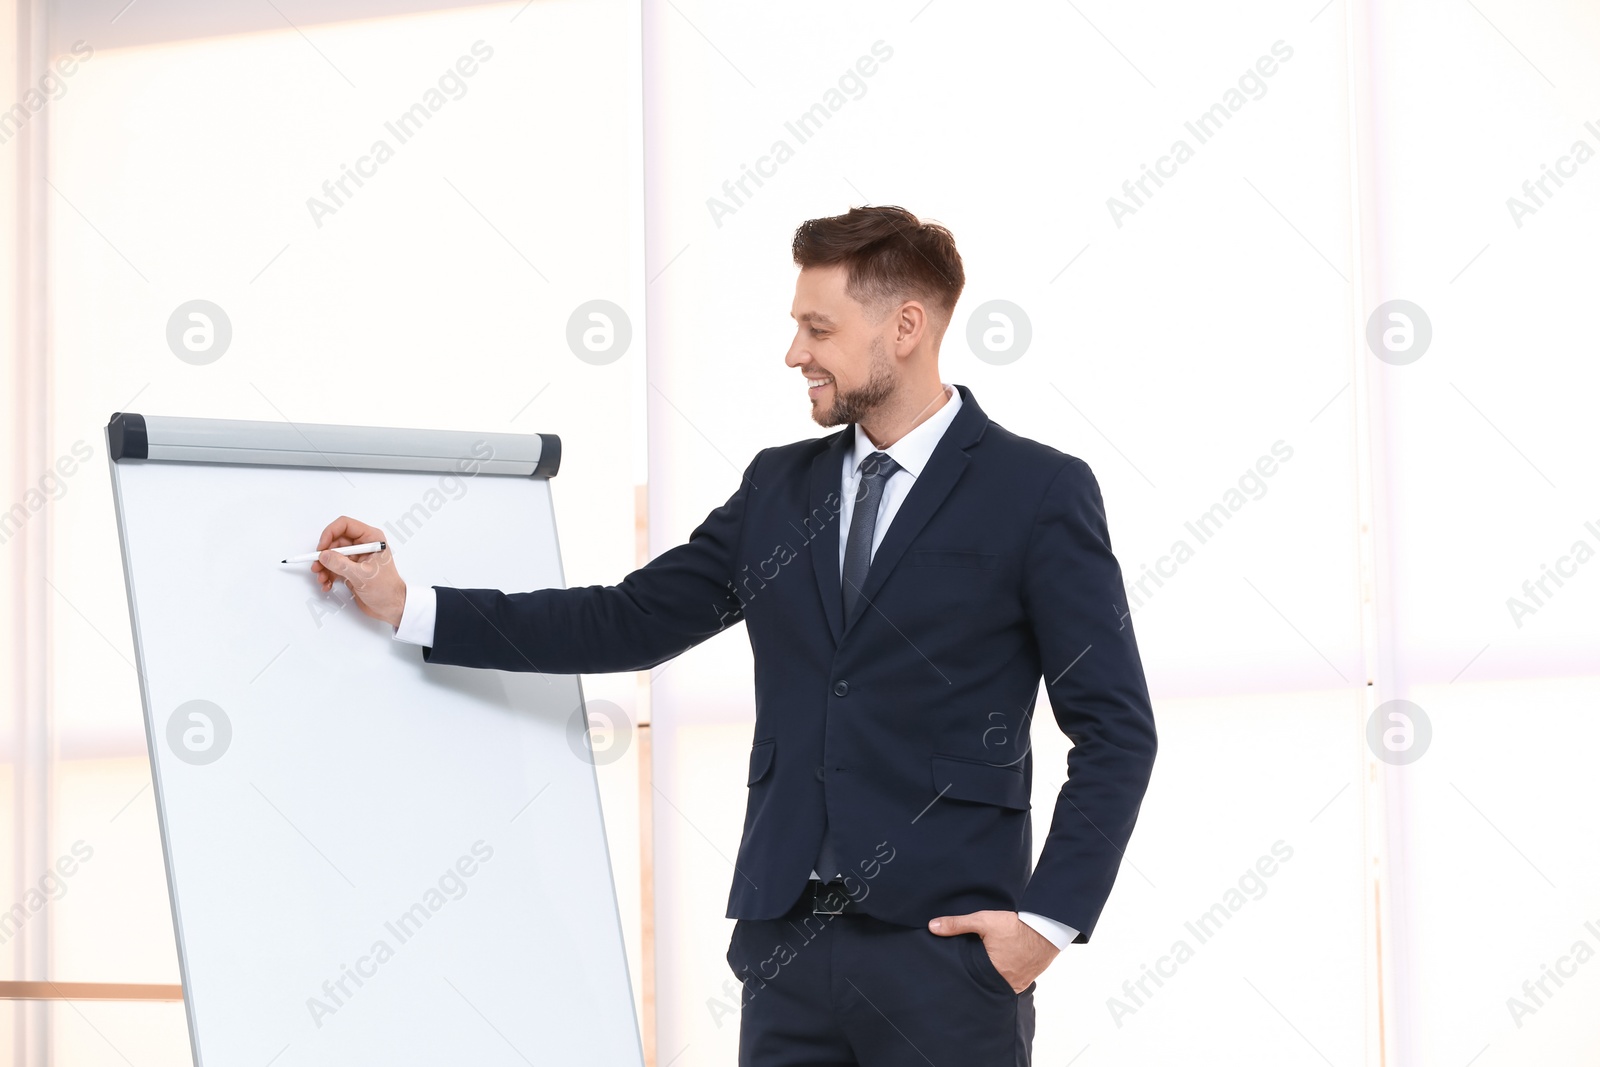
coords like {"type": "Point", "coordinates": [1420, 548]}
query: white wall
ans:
{"type": "Point", "coordinates": [1489, 471]}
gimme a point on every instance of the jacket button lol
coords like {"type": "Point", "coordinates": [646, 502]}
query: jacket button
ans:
{"type": "Point", "coordinates": [841, 688]}
{"type": "Point", "coordinates": [819, 773]}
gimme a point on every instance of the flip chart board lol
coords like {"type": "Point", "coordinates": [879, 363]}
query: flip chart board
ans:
{"type": "Point", "coordinates": [371, 860]}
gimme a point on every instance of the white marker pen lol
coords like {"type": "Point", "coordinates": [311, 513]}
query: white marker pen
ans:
{"type": "Point", "coordinates": [347, 550]}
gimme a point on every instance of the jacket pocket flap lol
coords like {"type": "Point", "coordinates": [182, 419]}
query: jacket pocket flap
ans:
{"type": "Point", "coordinates": [949, 557]}
{"type": "Point", "coordinates": [986, 783]}
{"type": "Point", "coordinates": [760, 759]}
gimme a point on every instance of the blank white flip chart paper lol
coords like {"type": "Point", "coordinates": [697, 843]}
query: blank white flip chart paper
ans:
{"type": "Point", "coordinates": [371, 859]}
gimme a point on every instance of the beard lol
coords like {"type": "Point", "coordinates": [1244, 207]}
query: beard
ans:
{"type": "Point", "coordinates": [858, 403]}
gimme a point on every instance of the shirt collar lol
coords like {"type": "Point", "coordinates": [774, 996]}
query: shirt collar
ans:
{"type": "Point", "coordinates": [913, 450]}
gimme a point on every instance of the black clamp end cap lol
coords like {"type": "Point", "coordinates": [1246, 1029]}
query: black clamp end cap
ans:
{"type": "Point", "coordinates": [549, 456]}
{"type": "Point", "coordinates": [127, 436]}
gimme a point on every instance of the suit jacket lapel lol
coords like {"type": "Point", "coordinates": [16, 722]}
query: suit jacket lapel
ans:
{"type": "Point", "coordinates": [928, 492]}
{"type": "Point", "coordinates": [826, 470]}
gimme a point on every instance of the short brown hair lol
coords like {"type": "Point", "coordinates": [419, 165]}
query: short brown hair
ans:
{"type": "Point", "coordinates": [889, 253]}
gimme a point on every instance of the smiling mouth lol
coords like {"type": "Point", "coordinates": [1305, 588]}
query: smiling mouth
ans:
{"type": "Point", "coordinates": [818, 384]}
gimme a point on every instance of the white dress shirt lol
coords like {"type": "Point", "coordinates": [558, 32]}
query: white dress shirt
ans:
{"type": "Point", "coordinates": [912, 453]}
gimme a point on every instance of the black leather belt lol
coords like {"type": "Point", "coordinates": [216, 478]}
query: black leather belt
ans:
{"type": "Point", "coordinates": [827, 898]}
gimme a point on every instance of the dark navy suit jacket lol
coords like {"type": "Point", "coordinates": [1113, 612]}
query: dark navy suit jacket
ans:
{"type": "Point", "coordinates": [906, 726]}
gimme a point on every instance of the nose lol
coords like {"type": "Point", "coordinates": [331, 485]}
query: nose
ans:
{"type": "Point", "coordinates": [797, 355]}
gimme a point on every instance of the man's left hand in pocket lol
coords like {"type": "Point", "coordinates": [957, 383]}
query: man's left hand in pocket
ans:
{"type": "Point", "coordinates": [1018, 951]}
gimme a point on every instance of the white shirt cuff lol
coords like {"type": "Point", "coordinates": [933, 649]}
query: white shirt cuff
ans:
{"type": "Point", "coordinates": [1058, 934]}
{"type": "Point", "coordinates": [416, 619]}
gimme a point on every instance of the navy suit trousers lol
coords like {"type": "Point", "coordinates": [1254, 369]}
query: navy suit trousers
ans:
{"type": "Point", "coordinates": [848, 990]}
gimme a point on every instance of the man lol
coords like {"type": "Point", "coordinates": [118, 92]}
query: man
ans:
{"type": "Point", "coordinates": [905, 583]}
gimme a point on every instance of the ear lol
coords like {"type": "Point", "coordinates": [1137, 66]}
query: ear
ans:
{"type": "Point", "coordinates": [910, 326]}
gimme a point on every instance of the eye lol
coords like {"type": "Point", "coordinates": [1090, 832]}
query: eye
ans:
{"type": "Point", "coordinates": [817, 333]}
